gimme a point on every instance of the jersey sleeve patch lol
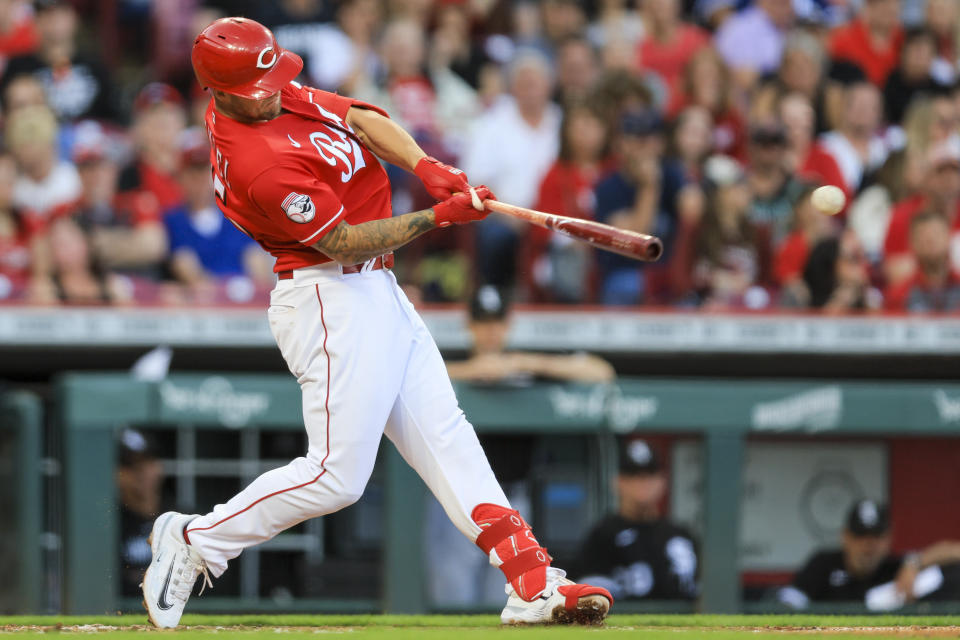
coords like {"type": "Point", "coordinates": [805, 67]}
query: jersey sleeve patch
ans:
{"type": "Point", "coordinates": [299, 207]}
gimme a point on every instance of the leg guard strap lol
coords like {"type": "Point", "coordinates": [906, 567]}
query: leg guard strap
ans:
{"type": "Point", "coordinates": [526, 560]}
{"type": "Point", "coordinates": [500, 530]}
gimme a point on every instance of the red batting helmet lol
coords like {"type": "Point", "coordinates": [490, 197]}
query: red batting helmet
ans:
{"type": "Point", "coordinates": [241, 57]}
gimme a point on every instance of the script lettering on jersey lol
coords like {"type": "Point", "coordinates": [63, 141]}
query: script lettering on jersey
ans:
{"type": "Point", "coordinates": [335, 146]}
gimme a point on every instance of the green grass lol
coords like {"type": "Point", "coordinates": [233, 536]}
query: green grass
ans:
{"type": "Point", "coordinates": [428, 627]}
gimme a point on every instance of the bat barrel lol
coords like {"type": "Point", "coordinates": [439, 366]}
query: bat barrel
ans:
{"type": "Point", "coordinates": [631, 244]}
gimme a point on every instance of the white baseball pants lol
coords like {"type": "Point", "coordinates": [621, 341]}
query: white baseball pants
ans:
{"type": "Point", "coordinates": [366, 365]}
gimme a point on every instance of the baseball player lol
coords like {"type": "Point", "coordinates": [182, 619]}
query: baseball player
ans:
{"type": "Point", "coordinates": [297, 169]}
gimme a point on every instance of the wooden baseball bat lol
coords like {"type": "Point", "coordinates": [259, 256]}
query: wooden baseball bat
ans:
{"type": "Point", "coordinates": [631, 244]}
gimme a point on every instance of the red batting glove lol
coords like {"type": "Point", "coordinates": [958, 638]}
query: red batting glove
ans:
{"type": "Point", "coordinates": [459, 209]}
{"type": "Point", "coordinates": [441, 180]}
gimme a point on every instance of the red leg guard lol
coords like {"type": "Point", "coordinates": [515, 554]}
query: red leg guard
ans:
{"type": "Point", "coordinates": [524, 561]}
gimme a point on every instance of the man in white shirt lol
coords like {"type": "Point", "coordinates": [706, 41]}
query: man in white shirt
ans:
{"type": "Point", "coordinates": [511, 148]}
{"type": "Point", "coordinates": [45, 182]}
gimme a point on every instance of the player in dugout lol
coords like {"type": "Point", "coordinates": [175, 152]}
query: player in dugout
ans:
{"type": "Point", "coordinates": [298, 169]}
{"type": "Point", "coordinates": [636, 552]}
{"type": "Point", "coordinates": [865, 570]}
{"type": "Point", "coordinates": [491, 362]}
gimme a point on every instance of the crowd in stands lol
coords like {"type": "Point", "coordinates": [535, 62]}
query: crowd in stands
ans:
{"type": "Point", "coordinates": [705, 122]}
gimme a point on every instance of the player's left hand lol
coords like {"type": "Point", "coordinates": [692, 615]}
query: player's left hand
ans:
{"type": "Point", "coordinates": [441, 180]}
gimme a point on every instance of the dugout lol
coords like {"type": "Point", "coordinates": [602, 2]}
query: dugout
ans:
{"type": "Point", "coordinates": [21, 433]}
{"type": "Point", "coordinates": [716, 431]}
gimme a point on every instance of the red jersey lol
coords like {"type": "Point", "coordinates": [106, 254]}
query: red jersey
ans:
{"type": "Point", "coordinates": [897, 241]}
{"type": "Point", "coordinates": [852, 42]}
{"type": "Point", "coordinates": [668, 59]}
{"type": "Point", "coordinates": [287, 182]}
{"type": "Point", "coordinates": [791, 258]}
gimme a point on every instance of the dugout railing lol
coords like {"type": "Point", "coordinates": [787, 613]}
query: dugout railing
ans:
{"type": "Point", "coordinates": [721, 414]}
{"type": "Point", "coordinates": [21, 436]}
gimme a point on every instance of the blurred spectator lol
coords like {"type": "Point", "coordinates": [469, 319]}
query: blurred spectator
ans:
{"type": "Point", "coordinates": [762, 25]}
{"type": "Point", "coordinates": [872, 40]}
{"type": "Point", "coordinates": [801, 72]}
{"type": "Point", "coordinates": [913, 75]}
{"type": "Point", "coordinates": [692, 140]}
{"type": "Point", "coordinates": [941, 19]}
{"type": "Point", "coordinates": [159, 119]}
{"type": "Point", "coordinates": [491, 362]}
{"type": "Point", "coordinates": [865, 570]}
{"type": "Point", "coordinates": [809, 227]}
{"type": "Point", "coordinates": [855, 145]}
{"type": "Point", "coordinates": [641, 196]}
{"type": "Point", "coordinates": [561, 267]}
{"type": "Point", "coordinates": [941, 195]}
{"type": "Point", "coordinates": [71, 272]}
{"type": "Point", "coordinates": [454, 47]}
{"type": "Point", "coordinates": [930, 120]}
{"type": "Point", "coordinates": [934, 285]}
{"type": "Point", "coordinates": [77, 86]}
{"type": "Point", "coordinates": [204, 246]}
{"type": "Point", "coordinates": [510, 149]}
{"type": "Point", "coordinates": [617, 23]}
{"type": "Point", "coordinates": [434, 104]}
{"type": "Point", "coordinates": [23, 91]}
{"type": "Point", "coordinates": [706, 83]}
{"type": "Point", "coordinates": [304, 13]}
{"type": "Point", "coordinates": [332, 51]}
{"type": "Point", "coordinates": [18, 34]}
{"type": "Point", "coordinates": [620, 91]}
{"type": "Point", "coordinates": [805, 157]}
{"type": "Point", "coordinates": [561, 20]}
{"type": "Point", "coordinates": [727, 255]}
{"type": "Point", "coordinates": [577, 70]}
{"type": "Point", "coordinates": [46, 184]}
{"type": "Point", "coordinates": [124, 230]}
{"type": "Point", "coordinates": [774, 188]}
{"type": "Point", "coordinates": [16, 236]}
{"type": "Point", "coordinates": [636, 552]}
{"type": "Point", "coordinates": [837, 275]}
{"type": "Point", "coordinates": [139, 479]}
{"type": "Point", "coordinates": [669, 44]}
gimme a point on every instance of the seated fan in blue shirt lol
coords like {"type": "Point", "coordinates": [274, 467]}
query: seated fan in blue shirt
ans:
{"type": "Point", "coordinates": [204, 246]}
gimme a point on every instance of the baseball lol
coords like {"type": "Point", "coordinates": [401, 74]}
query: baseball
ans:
{"type": "Point", "coordinates": [828, 199]}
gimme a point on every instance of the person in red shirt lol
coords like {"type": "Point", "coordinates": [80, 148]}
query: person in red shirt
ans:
{"type": "Point", "coordinates": [298, 170]}
{"type": "Point", "coordinates": [16, 236]}
{"type": "Point", "coordinates": [941, 194]}
{"type": "Point", "coordinates": [706, 83]}
{"type": "Point", "coordinates": [669, 44]}
{"type": "Point", "coordinates": [125, 230]}
{"type": "Point", "coordinates": [159, 119]}
{"type": "Point", "coordinates": [809, 227]}
{"type": "Point", "coordinates": [935, 284]}
{"type": "Point", "coordinates": [561, 269]}
{"type": "Point", "coordinates": [18, 33]}
{"type": "Point", "coordinates": [805, 156]}
{"type": "Point", "coordinates": [872, 40]}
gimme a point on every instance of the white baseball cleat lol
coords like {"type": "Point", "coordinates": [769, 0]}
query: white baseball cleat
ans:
{"type": "Point", "coordinates": [561, 602]}
{"type": "Point", "coordinates": [169, 579]}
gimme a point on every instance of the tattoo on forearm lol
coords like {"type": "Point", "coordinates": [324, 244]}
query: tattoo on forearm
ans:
{"type": "Point", "coordinates": [353, 244]}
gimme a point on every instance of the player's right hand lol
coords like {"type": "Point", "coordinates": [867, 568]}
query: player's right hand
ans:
{"type": "Point", "coordinates": [459, 208]}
